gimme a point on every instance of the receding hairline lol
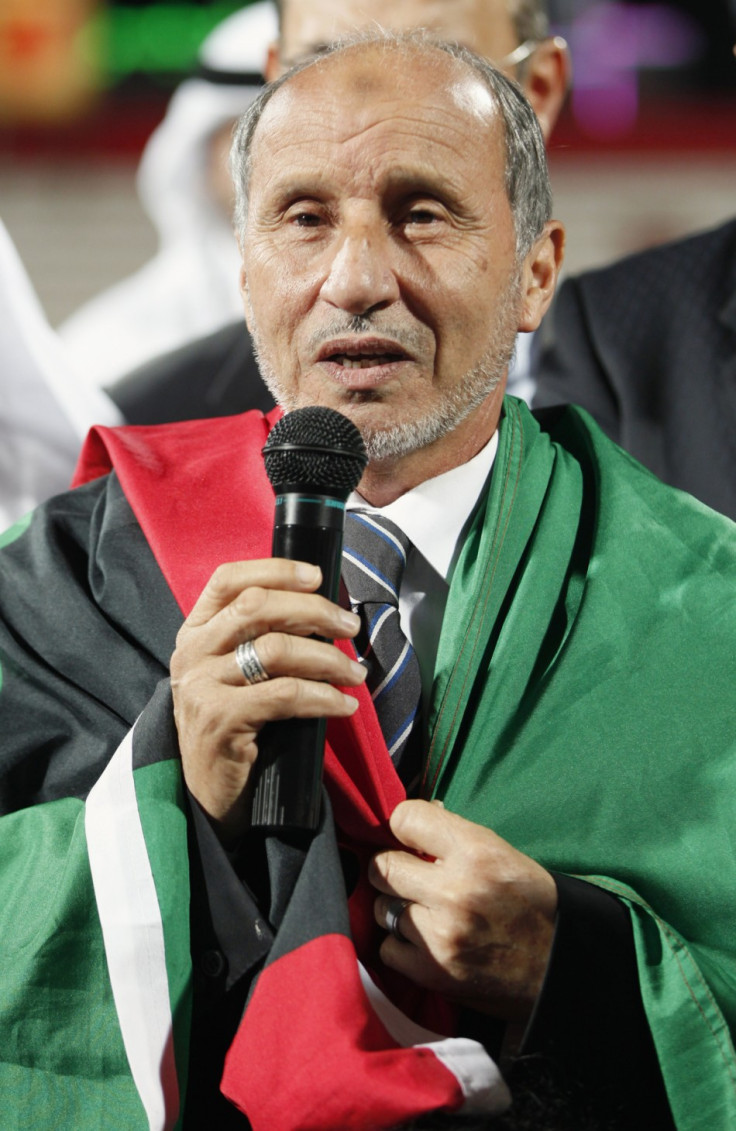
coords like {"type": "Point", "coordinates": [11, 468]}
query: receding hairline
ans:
{"type": "Point", "coordinates": [416, 46]}
{"type": "Point", "coordinates": [526, 174]}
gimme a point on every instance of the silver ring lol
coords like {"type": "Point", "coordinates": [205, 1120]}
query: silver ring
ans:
{"type": "Point", "coordinates": [394, 911]}
{"type": "Point", "coordinates": [249, 663]}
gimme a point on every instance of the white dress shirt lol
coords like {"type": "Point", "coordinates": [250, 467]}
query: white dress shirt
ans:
{"type": "Point", "coordinates": [433, 516]}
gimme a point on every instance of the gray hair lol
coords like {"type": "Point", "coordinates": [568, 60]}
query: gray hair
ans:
{"type": "Point", "coordinates": [526, 178]}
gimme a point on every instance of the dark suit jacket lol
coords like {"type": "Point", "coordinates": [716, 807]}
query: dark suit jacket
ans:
{"type": "Point", "coordinates": [648, 347]}
{"type": "Point", "coordinates": [213, 376]}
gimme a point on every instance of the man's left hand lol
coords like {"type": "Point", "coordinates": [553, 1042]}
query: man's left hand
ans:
{"type": "Point", "coordinates": [479, 925]}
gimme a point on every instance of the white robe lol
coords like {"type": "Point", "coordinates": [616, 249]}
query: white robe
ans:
{"type": "Point", "coordinates": [45, 411]}
{"type": "Point", "coordinates": [190, 287]}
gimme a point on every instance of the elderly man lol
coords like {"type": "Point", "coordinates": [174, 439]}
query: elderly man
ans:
{"type": "Point", "coordinates": [218, 374]}
{"type": "Point", "coordinates": [572, 621]}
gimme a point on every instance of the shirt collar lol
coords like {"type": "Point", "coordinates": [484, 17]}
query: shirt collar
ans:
{"type": "Point", "coordinates": [433, 514]}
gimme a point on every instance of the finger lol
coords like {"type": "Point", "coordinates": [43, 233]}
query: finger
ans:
{"type": "Point", "coordinates": [433, 831]}
{"type": "Point", "coordinates": [281, 655]}
{"type": "Point", "coordinates": [414, 962]}
{"type": "Point", "coordinates": [256, 611]}
{"type": "Point", "coordinates": [403, 874]}
{"type": "Point", "coordinates": [248, 709]}
{"type": "Point", "coordinates": [231, 578]}
{"type": "Point", "coordinates": [382, 907]}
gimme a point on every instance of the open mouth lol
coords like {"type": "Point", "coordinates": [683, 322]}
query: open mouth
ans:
{"type": "Point", "coordinates": [362, 353]}
{"type": "Point", "coordinates": [364, 361]}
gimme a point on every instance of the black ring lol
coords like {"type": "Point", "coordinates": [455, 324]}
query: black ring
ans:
{"type": "Point", "coordinates": [394, 911]}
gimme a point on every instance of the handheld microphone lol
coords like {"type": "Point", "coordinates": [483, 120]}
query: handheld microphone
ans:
{"type": "Point", "coordinates": [314, 458]}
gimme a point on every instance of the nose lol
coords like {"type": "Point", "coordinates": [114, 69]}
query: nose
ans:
{"type": "Point", "coordinates": [360, 276]}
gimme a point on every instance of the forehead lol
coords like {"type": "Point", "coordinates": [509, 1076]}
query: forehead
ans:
{"type": "Point", "coordinates": [380, 107]}
{"type": "Point", "coordinates": [483, 25]}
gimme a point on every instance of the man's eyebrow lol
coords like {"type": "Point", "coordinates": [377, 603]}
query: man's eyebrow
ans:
{"type": "Point", "coordinates": [406, 183]}
{"type": "Point", "coordinates": [296, 187]}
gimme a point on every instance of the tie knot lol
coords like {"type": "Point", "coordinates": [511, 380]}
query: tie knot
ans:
{"type": "Point", "coordinates": [374, 558]}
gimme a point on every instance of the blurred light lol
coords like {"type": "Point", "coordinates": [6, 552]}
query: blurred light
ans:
{"type": "Point", "coordinates": [158, 38]}
{"type": "Point", "coordinates": [46, 72]}
{"type": "Point", "coordinates": [610, 44]}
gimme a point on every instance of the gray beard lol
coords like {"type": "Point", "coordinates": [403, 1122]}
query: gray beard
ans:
{"type": "Point", "coordinates": [399, 440]}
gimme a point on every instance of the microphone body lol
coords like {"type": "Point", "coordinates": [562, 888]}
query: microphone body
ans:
{"type": "Point", "coordinates": [309, 521]}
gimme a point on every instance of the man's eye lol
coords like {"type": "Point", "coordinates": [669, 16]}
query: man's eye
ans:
{"type": "Point", "coordinates": [421, 216]}
{"type": "Point", "coordinates": [305, 219]}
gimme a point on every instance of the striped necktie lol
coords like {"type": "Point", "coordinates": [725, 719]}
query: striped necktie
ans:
{"type": "Point", "coordinates": [374, 558]}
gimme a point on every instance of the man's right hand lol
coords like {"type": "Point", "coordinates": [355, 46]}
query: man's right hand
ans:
{"type": "Point", "coordinates": [218, 716]}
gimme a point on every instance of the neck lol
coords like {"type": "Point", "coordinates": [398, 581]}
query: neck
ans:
{"type": "Point", "coordinates": [384, 481]}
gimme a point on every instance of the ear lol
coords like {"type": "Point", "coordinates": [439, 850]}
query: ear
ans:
{"type": "Point", "coordinates": [273, 67]}
{"type": "Point", "coordinates": [539, 275]}
{"type": "Point", "coordinates": [546, 81]}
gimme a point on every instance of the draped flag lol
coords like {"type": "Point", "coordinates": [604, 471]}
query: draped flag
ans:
{"type": "Point", "coordinates": [582, 708]}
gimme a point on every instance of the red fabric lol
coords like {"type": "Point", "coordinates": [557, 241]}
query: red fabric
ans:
{"type": "Point", "coordinates": [188, 485]}
{"type": "Point", "coordinates": [339, 1069]}
{"type": "Point", "coordinates": [201, 495]}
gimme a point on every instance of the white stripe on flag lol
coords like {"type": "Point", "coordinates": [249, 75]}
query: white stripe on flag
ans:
{"type": "Point", "coordinates": [133, 935]}
{"type": "Point", "coordinates": [477, 1074]}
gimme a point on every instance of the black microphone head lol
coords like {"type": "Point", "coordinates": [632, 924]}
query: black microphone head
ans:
{"type": "Point", "coordinates": [315, 449]}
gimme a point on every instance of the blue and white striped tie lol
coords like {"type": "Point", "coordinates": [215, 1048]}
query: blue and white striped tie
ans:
{"type": "Point", "coordinates": [374, 558]}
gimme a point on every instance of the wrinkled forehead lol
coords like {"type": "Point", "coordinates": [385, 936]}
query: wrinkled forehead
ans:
{"type": "Point", "coordinates": [346, 94]}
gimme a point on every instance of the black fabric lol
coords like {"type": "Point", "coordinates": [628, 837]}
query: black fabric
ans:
{"type": "Point", "coordinates": [648, 347]}
{"type": "Point", "coordinates": [588, 1043]}
{"type": "Point", "coordinates": [587, 1060]}
{"type": "Point", "coordinates": [298, 879]}
{"type": "Point", "coordinates": [213, 376]}
{"type": "Point", "coordinates": [226, 952]}
{"type": "Point", "coordinates": [110, 594]}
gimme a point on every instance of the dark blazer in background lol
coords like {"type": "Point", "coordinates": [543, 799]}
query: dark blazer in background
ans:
{"type": "Point", "coordinates": [648, 347]}
{"type": "Point", "coordinates": [213, 376]}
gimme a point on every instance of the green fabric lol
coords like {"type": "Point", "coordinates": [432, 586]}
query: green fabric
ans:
{"type": "Point", "coordinates": [61, 1053]}
{"type": "Point", "coordinates": [54, 983]}
{"type": "Point", "coordinates": [586, 674]}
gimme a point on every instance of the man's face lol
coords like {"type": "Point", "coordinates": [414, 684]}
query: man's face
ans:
{"type": "Point", "coordinates": [482, 25]}
{"type": "Point", "coordinates": [380, 271]}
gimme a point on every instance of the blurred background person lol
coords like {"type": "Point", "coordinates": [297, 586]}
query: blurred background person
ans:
{"type": "Point", "coordinates": [648, 347]}
{"type": "Point", "coordinates": [190, 286]}
{"type": "Point", "coordinates": [45, 411]}
{"type": "Point", "coordinates": [218, 374]}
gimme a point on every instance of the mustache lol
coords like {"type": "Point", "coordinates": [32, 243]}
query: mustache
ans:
{"type": "Point", "coordinates": [411, 339]}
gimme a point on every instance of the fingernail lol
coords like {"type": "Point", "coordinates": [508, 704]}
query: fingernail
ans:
{"type": "Point", "coordinates": [307, 573]}
{"type": "Point", "coordinates": [351, 703]}
{"type": "Point", "coordinates": [358, 670]}
{"type": "Point", "coordinates": [350, 621]}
